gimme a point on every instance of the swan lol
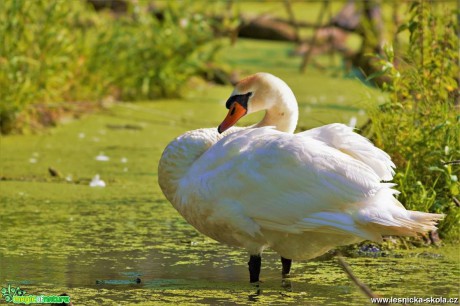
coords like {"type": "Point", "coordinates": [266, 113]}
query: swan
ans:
{"type": "Point", "coordinates": [265, 187]}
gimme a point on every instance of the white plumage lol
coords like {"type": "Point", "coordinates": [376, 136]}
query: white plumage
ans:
{"type": "Point", "coordinates": [299, 194]}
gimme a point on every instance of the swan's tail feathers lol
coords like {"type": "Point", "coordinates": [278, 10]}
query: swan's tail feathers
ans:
{"type": "Point", "coordinates": [407, 223]}
{"type": "Point", "coordinates": [384, 214]}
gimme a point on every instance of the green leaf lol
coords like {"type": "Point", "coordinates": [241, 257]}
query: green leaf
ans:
{"type": "Point", "coordinates": [413, 6]}
{"type": "Point", "coordinates": [377, 74]}
{"type": "Point", "coordinates": [413, 26]}
{"type": "Point", "coordinates": [439, 126]}
{"type": "Point", "coordinates": [402, 27]}
{"type": "Point", "coordinates": [434, 168]}
{"type": "Point", "coordinates": [454, 189]}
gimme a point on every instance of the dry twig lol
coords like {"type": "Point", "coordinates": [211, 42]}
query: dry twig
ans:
{"type": "Point", "coordinates": [364, 288]}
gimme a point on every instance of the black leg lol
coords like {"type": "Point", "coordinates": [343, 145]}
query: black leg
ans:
{"type": "Point", "coordinates": [286, 265]}
{"type": "Point", "coordinates": [286, 283]}
{"type": "Point", "coordinates": [255, 261]}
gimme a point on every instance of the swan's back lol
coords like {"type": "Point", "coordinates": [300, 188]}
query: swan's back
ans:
{"type": "Point", "coordinates": [254, 186]}
{"type": "Point", "coordinates": [343, 138]}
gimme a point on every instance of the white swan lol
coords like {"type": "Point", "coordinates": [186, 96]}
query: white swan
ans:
{"type": "Point", "coordinates": [299, 194]}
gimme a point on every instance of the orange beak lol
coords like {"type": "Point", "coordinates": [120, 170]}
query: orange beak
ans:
{"type": "Point", "coordinates": [235, 112]}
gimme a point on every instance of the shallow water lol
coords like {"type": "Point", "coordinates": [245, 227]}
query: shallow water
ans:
{"type": "Point", "coordinates": [95, 251]}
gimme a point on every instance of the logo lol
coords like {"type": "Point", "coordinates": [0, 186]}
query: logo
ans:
{"type": "Point", "coordinates": [19, 296]}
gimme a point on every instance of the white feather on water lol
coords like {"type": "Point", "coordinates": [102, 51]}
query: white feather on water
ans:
{"type": "Point", "coordinates": [97, 182]}
{"type": "Point", "coordinates": [102, 157]}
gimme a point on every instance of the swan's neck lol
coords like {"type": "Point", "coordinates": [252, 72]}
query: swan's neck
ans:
{"type": "Point", "coordinates": [283, 120]}
{"type": "Point", "coordinates": [282, 111]}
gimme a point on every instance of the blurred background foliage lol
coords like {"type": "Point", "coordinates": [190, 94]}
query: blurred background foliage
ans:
{"type": "Point", "coordinates": [72, 56]}
{"type": "Point", "coordinates": [59, 51]}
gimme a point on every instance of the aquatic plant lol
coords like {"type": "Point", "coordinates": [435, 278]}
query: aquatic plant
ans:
{"type": "Point", "coordinates": [419, 124]}
{"type": "Point", "coordinates": [56, 52]}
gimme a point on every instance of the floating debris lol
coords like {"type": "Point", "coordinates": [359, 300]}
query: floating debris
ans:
{"type": "Point", "coordinates": [126, 127]}
{"type": "Point", "coordinates": [102, 157]}
{"type": "Point", "coordinates": [68, 178]}
{"type": "Point", "coordinates": [428, 255]}
{"type": "Point", "coordinates": [118, 281]}
{"type": "Point", "coordinates": [97, 182]}
{"type": "Point", "coordinates": [369, 248]}
{"type": "Point", "coordinates": [81, 135]}
{"type": "Point", "coordinates": [32, 160]}
{"type": "Point", "coordinates": [53, 172]}
{"type": "Point", "coordinates": [124, 160]}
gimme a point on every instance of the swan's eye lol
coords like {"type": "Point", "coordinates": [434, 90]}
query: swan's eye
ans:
{"type": "Point", "coordinates": [241, 99]}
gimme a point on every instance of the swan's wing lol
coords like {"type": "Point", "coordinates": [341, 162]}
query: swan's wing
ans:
{"type": "Point", "coordinates": [261, 178]}
{"type": "Point", "coordinates": [343, 138]}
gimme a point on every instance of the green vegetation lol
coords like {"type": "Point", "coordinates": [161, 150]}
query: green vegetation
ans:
{"type": "Point", "coordinates": [62, 51]}
{"type": "Point", "coordinates": [419, 125]}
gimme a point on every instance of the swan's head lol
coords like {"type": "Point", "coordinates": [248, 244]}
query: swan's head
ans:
{"type": "Point", "coordinates": [260, 91]}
